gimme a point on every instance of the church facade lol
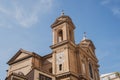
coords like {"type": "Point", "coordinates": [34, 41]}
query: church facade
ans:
{"type": "Point", "coordinates": [67, 61]}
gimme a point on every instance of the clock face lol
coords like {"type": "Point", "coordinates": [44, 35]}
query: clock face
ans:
{"type": "Point", "coordinates": [60, 58]}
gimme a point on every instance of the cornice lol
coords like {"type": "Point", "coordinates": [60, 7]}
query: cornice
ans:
{"type": "Point", "coordinates": [59, 44]}
{"type": "Point", "coordinates": [26, 57]}
{"type": "Point", "coordinates": [62, 43]}
{"type": "Point", "coordinates": [66, 74]}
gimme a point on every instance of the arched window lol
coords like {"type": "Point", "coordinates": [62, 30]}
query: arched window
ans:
{"type": "Point", "coordinates": [60, 35]}
{"type": "Point", "coordinates": [90, 70]}
{"type": "Point", "coordinates": [60, 67]}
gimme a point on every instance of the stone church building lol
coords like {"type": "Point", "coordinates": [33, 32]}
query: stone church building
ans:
{"type": "Point", "coordinates": [67, 61]}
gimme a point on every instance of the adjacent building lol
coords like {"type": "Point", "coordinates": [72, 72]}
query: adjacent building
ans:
{"type": "Point", "coordinates": [67, 61]}
{"type": "Point", "coordinates": [110, 76]}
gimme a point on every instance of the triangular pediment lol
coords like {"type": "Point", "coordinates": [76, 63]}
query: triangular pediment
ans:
{"type": "Point", "coordinates": [21, 54]}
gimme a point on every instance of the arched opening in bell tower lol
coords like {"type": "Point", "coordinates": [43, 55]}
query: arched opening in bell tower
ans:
{"type": "Point", "coordinates": [60, 35]}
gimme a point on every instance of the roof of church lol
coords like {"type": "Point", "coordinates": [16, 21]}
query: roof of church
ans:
{"type": "Point", "coordinates": [87, 41]}
{"type": "Point", "coordinates": [30, 54]}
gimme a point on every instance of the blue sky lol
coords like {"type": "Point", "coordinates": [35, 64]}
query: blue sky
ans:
{"type": "Point", "coordinates": [26, 24]}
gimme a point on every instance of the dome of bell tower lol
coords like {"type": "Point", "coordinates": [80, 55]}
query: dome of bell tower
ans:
{"type": "Point", "coordinates": [62, 19]}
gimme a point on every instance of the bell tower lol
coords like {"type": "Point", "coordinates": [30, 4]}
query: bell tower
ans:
{"type": "Point", "coordinates": [63, 47]}
{"type": "Point", "coordinates": [63, 29]}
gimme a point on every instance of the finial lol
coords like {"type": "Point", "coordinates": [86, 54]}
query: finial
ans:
{"type": "Point", "coordinates": [84, 36]}
{"type": "Point", "coordinates": [62, 13]}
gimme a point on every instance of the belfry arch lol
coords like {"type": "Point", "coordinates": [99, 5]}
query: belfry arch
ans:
{"type": "Point", "coordinates": [60, 35]}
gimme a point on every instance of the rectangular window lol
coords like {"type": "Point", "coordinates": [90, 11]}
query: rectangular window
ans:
{"type": "Point", "coordinates": [43, 77]}
{"type": "Point", "coordinates": [60, 67]}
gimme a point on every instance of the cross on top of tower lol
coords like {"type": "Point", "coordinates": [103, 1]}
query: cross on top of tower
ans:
{"type": "Point", "coordinates": [62, 13]}
{"type": "Point", "coordinates": [84, 36]}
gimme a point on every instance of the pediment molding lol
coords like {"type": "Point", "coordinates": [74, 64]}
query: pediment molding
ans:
{"type": "Point", "coordinates": [20, 55]}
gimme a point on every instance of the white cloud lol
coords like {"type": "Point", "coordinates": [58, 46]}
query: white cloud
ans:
{"type": "Point", "coordinates": [113, 5]}
{"type": "Point", "coordinates": [25, 19]}
{"type": "Point", "coordinates": [2, 10]}
{"type": "Point", "coordinates": [104, 2]}
{"type": "Point", "coordinates": [116, 11]}
{"type": "Point", "coordinates": [23, 14]}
